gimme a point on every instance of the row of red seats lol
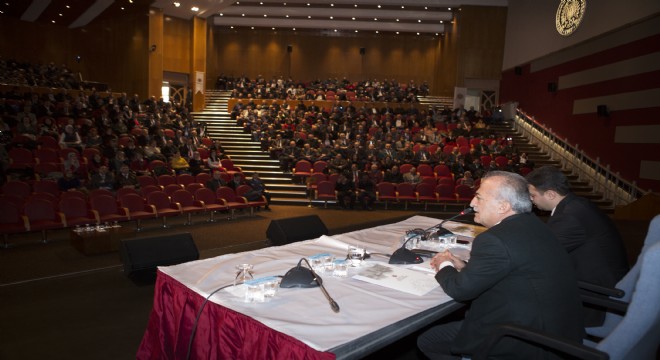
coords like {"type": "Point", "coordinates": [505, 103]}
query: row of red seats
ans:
{"type": "Point", "coordinates": [405, 192]}
{"type": "Point", "coordinates": [45, 211]}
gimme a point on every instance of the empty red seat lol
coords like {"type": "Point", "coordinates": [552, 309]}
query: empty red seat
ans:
{"type": "Point", "coordinates": [164, 207]}
{"type": "Point", "coordinates": [76, 211]}
{"type": "Point", "coordinates": [211, 202]}
{"type": "Point", "coordinates": [137, 208]}
{"type": "Point", "coordinates": [42, 216]}
{"type": "Point", "coordinates": [106, 209]}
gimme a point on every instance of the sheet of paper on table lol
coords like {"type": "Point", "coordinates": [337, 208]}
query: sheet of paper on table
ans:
{"type": "Point", "coordinates": [398, 278]}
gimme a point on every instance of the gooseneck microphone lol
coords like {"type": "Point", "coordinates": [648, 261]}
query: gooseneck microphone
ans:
{"type": "Point", "coordinates": [406, 256]}
{"type": "Point", "coordinates": [442, 231]}
{"type": "Point", "coordinates": [302, 277]}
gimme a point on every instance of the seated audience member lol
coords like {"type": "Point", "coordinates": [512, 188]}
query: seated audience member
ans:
{"type": "Point", "coordinates": [68, 182]}
{"type": "Point", "coordinates": [466, 179]}
{"type": "Point", "coordinates": [70, 138]}
{"type": "Point", "coordinates": [589, 236]}
{"type": "Point", "coordinates": [103, 179]}
{"type": "Point", "coordinates": [179, 164]}
{"type": "Point", "coordinates": [345, 191]}
{"type": "Point", "coordinates": [259, 187]}
{"type": "Point", "coordinates": [412, 176]}
{"type": "Point", "coordinates": [366, 192]}
{"type": "Point", "coordinates": [517, 273]}
{"type": "Point", "coordinates": [236, 181]}
{"type": "Point", "coordinates": [393, 175]}
{"type": "Point", "coordinates": [216, 181]}
{"type": "Point", "coordinates": [196, 164]}
{"type": "Point", "coordinates": [126, 178]}
{"type": "Point", "coordinates": [213, 161]}
{"type": "Point", "coordinates": [72, 164]}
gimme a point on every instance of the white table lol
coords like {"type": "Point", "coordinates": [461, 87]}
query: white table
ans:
{"type": "Point", "coordinates": [371, 316]}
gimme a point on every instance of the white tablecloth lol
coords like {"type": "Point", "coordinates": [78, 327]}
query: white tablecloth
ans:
{"type": "Point", "coordinates": [305, 313]}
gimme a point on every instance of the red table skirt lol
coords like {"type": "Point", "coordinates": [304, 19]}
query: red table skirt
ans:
{"type": "Point", "coordinates": [221, 333]}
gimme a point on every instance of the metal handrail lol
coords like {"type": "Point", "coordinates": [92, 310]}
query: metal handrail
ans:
{"type": "Point", "coordinates": [603, 180]}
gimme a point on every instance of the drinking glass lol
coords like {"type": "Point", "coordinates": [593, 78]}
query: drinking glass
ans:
{"type": "Point", "coordinates": [243, 274]}
{"type": "Point", "coordinates": [355, 255]}
{"type": "Point", "coordinates": [340, 268]}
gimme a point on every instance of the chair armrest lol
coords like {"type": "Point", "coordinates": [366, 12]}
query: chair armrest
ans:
{"type": "Point", "coordinates": [600, 300]}
{"type": "Point", "coordinates": [603, 290]}
{"type": "Point", "coordinates": [26, 222]}
{"type": "Point", "coordinates": [535, 337]}
{"type": "Point", "coordinates": [128, 212]}
{"type": "Point", "coordinates": [62, 218]}
{"type": "Point", "coordinates": [200, 203]}
{"type": "Point", "coordinates": [96, 216]}
{"type": "Point", "coordinates": [242, 199]}
{"type": "Point", "coordinates": [176, 206]}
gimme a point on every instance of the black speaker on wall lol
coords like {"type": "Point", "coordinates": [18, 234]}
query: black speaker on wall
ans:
{"type": "Point", "coordinates": [552, 87]}
{"type": "Point", "coordinates": [289, 48]}
{"type": "Point", "coordinates": [363, 51]}
{"type": "Point", "coordinates": [141, 256]}
{"type": "Point", "coordinates": [517, 70]}
{"type": "Point", "coordinates": [602, 111]}
{"type": "Point", "coordinates": [287, 231]}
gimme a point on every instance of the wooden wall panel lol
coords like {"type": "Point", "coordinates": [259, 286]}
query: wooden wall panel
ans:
{"type": "Point", "coordinates": [112, 52]}
{"type": "Point", "coordinates": [254, 53]}
{"type": "Point", "coordinates": [177, 40]}
{"type": "Point", "coordinates": [482, 30]}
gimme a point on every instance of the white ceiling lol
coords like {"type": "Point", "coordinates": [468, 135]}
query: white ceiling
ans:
{"type": "Point", "coordinates": [414, 16]}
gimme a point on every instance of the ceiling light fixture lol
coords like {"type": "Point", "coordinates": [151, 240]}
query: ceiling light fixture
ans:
{"type": "Point", "coordinates": [176, 4]}
{"type": "Point", "coordinates": [194, 8]}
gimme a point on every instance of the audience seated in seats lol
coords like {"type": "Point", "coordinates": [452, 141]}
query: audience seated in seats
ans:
{"type": "Point", "coordinates": [179, 164]}
{"type": "Point", "coordinates": [259, 188]}
{"type": "Point", "coordinates": [103, 179]}
{"type": "Point", "coordinates": [216, 181]}
{"type": "Point", "coordinates": [345, 191]}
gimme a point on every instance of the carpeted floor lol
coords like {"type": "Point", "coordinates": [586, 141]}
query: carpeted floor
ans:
{"type": "Point", "coordinates": [60, 304]}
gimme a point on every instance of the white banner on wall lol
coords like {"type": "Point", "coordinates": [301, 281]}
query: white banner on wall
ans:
{"type": "Point", "coordinates": [460, 94]}
{"type": "Point", "coordinates": [199, 82]}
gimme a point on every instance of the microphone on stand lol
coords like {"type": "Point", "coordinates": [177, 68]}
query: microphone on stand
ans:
{"type": "Point", "coordinates": [406, 256]}
{"type": "Point", "coordinates": [306, 278]}
{"type": "Point", "coordinates": [442, 231]}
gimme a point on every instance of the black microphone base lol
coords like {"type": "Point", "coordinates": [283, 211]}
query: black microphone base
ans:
{"type": "Point", "coordinates": [405, 256]}
{"type": "Point", "coordinates": [299, 277]}
{"type": "Point", "coordinates": [442, 232]}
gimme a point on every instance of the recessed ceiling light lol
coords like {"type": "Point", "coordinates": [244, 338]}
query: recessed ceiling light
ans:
{"type": "Point", "coordinates": [61, 14]}
{"type": "Point", "coordinates": [331, 17]}
{"type": "Point", "coordinates": [261, 2]}
{"type": "Point", "coordinates": [194, 8]}
{"type": "Point", "coordinates": [353, 18]}
{"type": "Point", "coordinates": [379, 6]}
{"type": "Point", "coordinates": [417, 33]}
{"type": "Point", "coordinates": [335, 30]}
{"type": "Point", "coordinates": [355, 5]}
{"type": "Point", "coordinates": [449, 9]}
{"type": "Point", "coordinates": [403, 7]}
{"type": "Point", "coordinates": [356, 31]}
{"type": "Point", "coordinates": [221, 14]}
{"type": "Point", "coordinates": [122, 8]}
{"type": "Point", "coordinates": [68, 7]}
{"type": "Point", "coordinates": [286, 16]}
{"type": "Point", "coordinates": [397, 20]}
{"type": "Point", "coordinates": [231, 27]}
{"type": "Point", "coordinates": [309, 16]}
{"type": "Point", "coordinates": [294, 29]}
{"type": "Point", "coordinates": [176, 4]}
{"type": "Point", "coordinates": [252, 27]}
{"type": "Point", "coordinates": [375, 19]}
{"type": "Point", "coordinates": [377, 32]}
{"type": "Point", "coordinates": [397, 33]}
{"type": "Point", "coordinates": [265, 15]}
{"type": "Point", "coordinates": [53, 21]}
{"type": "Point", "coordinates": [242, 14]}
{"type": "Point", "coordinates": [332, 5]}
{"type": "Point", "coordinates": [273, 28]}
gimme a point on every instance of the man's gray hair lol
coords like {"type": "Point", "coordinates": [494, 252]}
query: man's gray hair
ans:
{"type": "Point", "coordinates": [513, 190]}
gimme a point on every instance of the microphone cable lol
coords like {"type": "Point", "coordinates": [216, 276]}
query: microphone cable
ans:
{"type": "Point", "coordinates": [199, 314]}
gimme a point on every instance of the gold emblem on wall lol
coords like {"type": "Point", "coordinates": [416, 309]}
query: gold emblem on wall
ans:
{"type": "Point", "coordinates": [569, 15]}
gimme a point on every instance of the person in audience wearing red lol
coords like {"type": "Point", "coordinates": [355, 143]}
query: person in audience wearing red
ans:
{"type": "Point", "coordinates": [517, 273]}
{"type": "Point", "coordinates": [589, 236]}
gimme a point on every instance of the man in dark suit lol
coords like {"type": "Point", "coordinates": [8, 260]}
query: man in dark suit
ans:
{"type": "Point", "coordinates": [588, 235]}
{"type": "Point", "coordinates": [517, 273]}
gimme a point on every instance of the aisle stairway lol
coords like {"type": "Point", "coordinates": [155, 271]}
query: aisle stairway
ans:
{"type": "Point", "coordinates": [247, 153]}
